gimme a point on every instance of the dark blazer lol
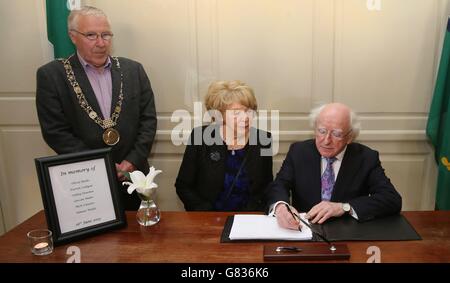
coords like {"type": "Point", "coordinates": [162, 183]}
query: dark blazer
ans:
{"type": "Point", "coordinates": [67, 128]}
{"type": "Point", "coordinates": [361, 181]}
{"type": "Point", "coordinates": [202, 171]}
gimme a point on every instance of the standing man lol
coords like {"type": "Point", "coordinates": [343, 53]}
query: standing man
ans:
{"type": "Point", "coordinates": [93, 100]}
{"type": "Point", "coordinates": [330, 176]}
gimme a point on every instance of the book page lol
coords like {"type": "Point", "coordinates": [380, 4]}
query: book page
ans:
{"type": "Point", "coordinates": [263, 227]}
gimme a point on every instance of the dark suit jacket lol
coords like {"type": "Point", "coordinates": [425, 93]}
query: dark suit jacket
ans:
{"type": "Point", "coordinates": [202, 172]}
{"type": "Point", "coordinates": [361, 181]}
{"type": "Point", "coordinates": [67, 128]}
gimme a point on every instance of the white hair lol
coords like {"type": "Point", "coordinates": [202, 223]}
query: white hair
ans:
{"type": "Point", "coordinates": [72, 20]}
{"type": "Point", "coordinates": [355, 124]}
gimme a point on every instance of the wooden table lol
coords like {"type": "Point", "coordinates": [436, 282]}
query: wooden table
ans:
{"type": "Point", "coordinates": [194, 237]}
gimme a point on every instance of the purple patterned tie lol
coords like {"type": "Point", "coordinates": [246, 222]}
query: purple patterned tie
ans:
{"type": "Point", "coordinates": [328, 179]}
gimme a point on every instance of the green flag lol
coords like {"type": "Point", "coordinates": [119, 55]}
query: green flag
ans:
{"type": "Point", "coordinates": [57, 12]}
{"type": "Point", "coordinates": [438, 127]}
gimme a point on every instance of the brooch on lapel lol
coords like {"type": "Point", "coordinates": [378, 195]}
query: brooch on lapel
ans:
{"type": "Point", "coordinates": [215, 156]}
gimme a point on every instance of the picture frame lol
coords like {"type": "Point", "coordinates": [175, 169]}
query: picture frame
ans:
{"type": "Point", "coordinates": [80, 194]}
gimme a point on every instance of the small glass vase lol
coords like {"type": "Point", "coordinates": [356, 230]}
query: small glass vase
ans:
{"type": "Point", "coordinates": [148, 213]}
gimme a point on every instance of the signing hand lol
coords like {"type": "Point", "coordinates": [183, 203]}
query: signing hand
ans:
{"type": "Point", "coordinates": [284, 217]}
{"type": "Point", "coordinates": [324, 210]}
{"type": "Point", "coordinates": [124, 166]}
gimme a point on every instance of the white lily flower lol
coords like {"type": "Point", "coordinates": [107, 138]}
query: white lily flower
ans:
{"type": "Point", "coordinates": [144, 185]}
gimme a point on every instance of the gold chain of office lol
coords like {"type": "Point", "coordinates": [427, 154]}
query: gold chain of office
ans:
{"type": "Point", "coordinates": [110, 136]}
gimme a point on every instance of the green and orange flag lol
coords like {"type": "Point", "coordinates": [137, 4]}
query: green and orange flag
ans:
{"type": "Point", "coordinates": [438, 126]}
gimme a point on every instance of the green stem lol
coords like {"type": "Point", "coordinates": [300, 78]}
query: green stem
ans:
{"type": "Point", "coordinates": [146, 212]}
{"type": "Point", "coordinates": [146, 207]}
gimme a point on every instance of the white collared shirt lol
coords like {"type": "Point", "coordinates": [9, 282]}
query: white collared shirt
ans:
{"type": "Point", "coordinates": [101, 83]}
{"type": "Point", "coordinates": [336, 164]}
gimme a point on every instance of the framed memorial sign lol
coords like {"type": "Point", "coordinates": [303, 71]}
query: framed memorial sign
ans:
{"type": "Point", "coordinates": [80, 194]}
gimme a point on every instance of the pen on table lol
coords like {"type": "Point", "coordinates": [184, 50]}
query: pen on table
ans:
{"type": "Point", "coordinates": [332, 247]}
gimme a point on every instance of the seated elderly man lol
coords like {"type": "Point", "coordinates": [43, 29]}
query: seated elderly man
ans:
{"type": "Point", "coordinates": [331, 175]}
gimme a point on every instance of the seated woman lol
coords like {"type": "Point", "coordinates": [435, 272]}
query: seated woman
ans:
{"type": "Point", "coordinates": [227, 164]}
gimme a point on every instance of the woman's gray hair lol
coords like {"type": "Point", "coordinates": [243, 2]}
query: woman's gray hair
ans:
{"type": "Point", "coordinates": [72, 20]}
{"type": "Point", "coordinates": [355, 124]}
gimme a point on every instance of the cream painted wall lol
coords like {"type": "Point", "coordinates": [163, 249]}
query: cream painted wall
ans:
{"type": "Point", "coordinates": [294, 53]}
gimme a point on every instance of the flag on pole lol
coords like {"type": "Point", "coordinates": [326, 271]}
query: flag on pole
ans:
{"type": "Point", "coordinates": [438, 126]}
{"type": "Point", "coordinates": [57, 12]}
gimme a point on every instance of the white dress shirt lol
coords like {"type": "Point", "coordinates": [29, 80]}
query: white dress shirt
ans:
{"type": "Point", "coordinates": [336, 164]}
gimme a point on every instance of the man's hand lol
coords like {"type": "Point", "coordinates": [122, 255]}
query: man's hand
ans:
{"type": "Point", "coordinates": [324, 210]}
{"type": "Point", "coordinates": [285, 219]}
{"type": "Point", "coordinates": [124, 166]}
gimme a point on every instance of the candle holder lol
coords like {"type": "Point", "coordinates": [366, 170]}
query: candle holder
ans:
{"type": "Point", "coordinates": [41, 242]}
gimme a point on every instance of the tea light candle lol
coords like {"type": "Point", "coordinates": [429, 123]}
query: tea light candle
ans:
{"type": "Point", "coordinates": [41, 245]}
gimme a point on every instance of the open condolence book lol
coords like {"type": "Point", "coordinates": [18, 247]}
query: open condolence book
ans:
{"type": "Point", "coordinates": [263, 227]}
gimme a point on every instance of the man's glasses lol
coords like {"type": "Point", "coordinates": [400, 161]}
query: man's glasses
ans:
{"type": "Point", "coordinates": [337, 134]}
{"type": "Point", "coordinates": [94, 36]}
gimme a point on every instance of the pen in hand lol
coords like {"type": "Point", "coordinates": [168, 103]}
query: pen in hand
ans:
{"type": "Point", "coordinates": [332, 247]}
{"type": "Point", "coordinates": [295, 216]}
